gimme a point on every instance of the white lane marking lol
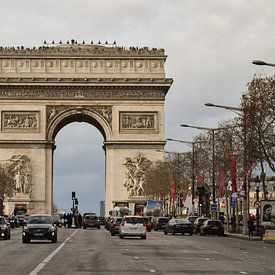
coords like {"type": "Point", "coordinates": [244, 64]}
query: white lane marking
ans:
{"type": "Point", "coordinates": [152, 270]}
{"type": "Point", "coordinates": [242, 272]}
{"type": "Point", "coordinates": [48, 258]}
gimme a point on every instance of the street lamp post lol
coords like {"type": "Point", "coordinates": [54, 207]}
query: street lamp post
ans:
{"type": "Point", "coordinates": [192, 144]}
{"type": "Point", "coordinates": [257, 190]}
{"type": "Point", "coordinates": [241, 112]}
{"type": "Point", "coordinates": [212, 130]}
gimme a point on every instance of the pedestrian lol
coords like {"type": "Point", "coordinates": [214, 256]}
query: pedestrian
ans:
{"type": "Point", "coordinates": [65, 220]}
{"type": "Point", "coordinates": [79, 218]}
{"type": "Point", "coordinates": [221, 218]}
{"type": "Point", "coordinates": [250, 225]}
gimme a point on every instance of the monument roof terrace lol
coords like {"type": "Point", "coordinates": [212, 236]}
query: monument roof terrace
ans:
{"type": "Point", "coordinates": [81, 50]}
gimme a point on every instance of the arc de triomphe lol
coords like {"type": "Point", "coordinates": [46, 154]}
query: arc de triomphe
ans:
{"type": "Point", "coordinates": [120, 91]}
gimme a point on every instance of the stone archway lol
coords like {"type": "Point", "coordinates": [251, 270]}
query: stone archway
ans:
{"type": "Point", "coordinates": [120, 91]}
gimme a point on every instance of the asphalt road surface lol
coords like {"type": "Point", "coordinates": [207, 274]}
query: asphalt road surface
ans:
{"type": "Point", "coordinates": [93, 251]}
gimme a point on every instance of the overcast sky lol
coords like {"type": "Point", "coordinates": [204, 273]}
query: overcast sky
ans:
{"type": "Point", "coordinates": [210, 45]}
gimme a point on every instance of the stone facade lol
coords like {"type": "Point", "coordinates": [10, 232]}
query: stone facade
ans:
{"type": "Point", "coordinates": [120, 91]}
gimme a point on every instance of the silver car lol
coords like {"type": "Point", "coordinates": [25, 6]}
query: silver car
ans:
{"type": "Point", "coordinates": [132, 226]}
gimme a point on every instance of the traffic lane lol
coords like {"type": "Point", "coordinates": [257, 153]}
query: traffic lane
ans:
{"type": "Point", "coordinates": [97, 252]}
{"type": "Point", "coordinates": [19, 258]}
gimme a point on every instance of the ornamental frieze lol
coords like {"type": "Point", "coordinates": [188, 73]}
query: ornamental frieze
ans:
{"type": "Point", "coordinates": [104, 111]}
{"type": "Point", "coordinates": [132, 121]}
{"type": "Point", "coordinates": [72, 93]}
{"type": "Point", "coordinates": [20, 121]}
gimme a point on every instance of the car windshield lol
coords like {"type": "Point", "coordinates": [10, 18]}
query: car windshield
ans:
{"type": "Point", "coordinates": [162, 220]}
{"type": "Point", "coordinates": [213, 223]}
{"type": "Point", "coordinates": [2, 221]}
{"type": "Point", "coordinates": [133, 220]}
{"type": "Point", "coordinates": [182, 221]}
{"type": "Point", "coordinates": [40, 220]}
{"type": "Point", "coordinates": [91, 217]}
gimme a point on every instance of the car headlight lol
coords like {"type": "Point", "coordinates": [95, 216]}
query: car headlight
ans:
{"type": "Point", "coordinates": [51, 229]}
{"type": "Point", "coordinates": [25, 229]}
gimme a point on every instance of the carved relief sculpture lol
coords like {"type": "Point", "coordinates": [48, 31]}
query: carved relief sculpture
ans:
{"type": "Point", "coordinates": [19, 168]}
{"type": "Point", "coordinates": [20, 120]}
{"type": "Point", "coordinates": [138, 120]}
{"type": "Point", "coordinates": [135, 175]}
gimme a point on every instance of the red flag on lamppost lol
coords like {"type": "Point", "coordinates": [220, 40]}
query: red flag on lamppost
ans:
{"type": "Point", "coordinates": [221, 181]}
{"type": "Point", "coordinates": [233, 171]}
{"type": "Point", "coordinates": [185, 190]}
{"type": "Point", "coordinates": [172, 190]}
{"type": "Point", "coordinates": [161, 195]}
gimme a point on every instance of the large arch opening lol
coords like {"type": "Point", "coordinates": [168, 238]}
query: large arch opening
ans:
{"type": "Point", "coordinates": [79, 166]}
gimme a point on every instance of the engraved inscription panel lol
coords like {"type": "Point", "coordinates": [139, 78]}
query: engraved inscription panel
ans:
{"type": "Point", "coordinates": [138, 121]}
{"type": "Point", "coordinates": [20, 121]}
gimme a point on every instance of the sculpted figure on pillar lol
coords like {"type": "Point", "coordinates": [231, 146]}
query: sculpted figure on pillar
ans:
{"type": "Point", "coordinates": [135, 174]}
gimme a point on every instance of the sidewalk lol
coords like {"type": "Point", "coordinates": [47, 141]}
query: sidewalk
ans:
{"type": "Point", "coordinates": [243, 237]}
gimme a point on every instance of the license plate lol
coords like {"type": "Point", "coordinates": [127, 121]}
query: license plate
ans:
{"type": "Point", "coordinates": [215, 227]}
{"type": "Point", "coordinates": [38, 234]}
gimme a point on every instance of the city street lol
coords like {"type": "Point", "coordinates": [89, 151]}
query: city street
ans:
{"type": "Point", "coordinates": [95, 251]}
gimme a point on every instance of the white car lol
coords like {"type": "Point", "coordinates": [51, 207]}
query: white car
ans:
{"type": "Point", "coordinates": [132, 226]}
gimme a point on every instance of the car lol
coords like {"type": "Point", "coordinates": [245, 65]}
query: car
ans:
{"type": "Point", "coordinates": [5, 232]}
{"type": "Point", "coordinates": [159, 222]}
{"type": "Point", "coordinates": [114, 226]}
{"type": "Point", "coordinates": [21, 219]}
{"type": "Point", "coordinates": [13, 220]}
{"type": "Point", "coordinates": [57, 220]}
{"type": "Point", "coordinates": [148, 223]}
{"type": "Point", "coordinates": [212, 226]}
{"type": "Point", "coordinates": [179, 226]}
{"type": "Point", "coordinates": [109, 222]}
{"type": "Point", "coordinates": [102, 220]}
{"type": "Point", "coordinates": [192, 218]}
{"type": "Point", "coordinates": [39, 227]}
{"type": "Point", "coordinates": [90, 221]}
{"type": "Point", "coordinates": [198, 223]}
{"type": "Point", "coordinates": [132, 226]}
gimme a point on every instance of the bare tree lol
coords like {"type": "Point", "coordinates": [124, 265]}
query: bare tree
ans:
{"type": "Point", "coordinates": [259, 105]}
{"type": "Point", "coordinates": [6, 187]}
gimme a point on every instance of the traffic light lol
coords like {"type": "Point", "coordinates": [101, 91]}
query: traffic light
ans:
{"type": "Point", "coordinates": [73, 195]}
{"type": "Point", "coordinates": [76, 201]}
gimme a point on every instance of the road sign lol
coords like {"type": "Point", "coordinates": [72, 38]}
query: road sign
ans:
{"type": "Point", "coordinates": [213, 207]}
{"type": "Point", "coordinates": [232, 202]}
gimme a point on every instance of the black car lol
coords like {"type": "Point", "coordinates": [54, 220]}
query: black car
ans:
{"type": "Point", "coordinates": [159, 222]}
{"type": "Point", "coordinates": [212, 226]}
{"type": "Point", "coordinates": [181, 226]}
{"type": "Point", "coordinates": [13, 220]}
{"type": "Point", "coordinates": [90, 221]}
{"type": "Point", "coordinates": [39, 227]}
{"type": "Point", "coordinates": [198, 223]}
{"type": "Point", "coordinates": [21, 219]}
{"type": "Point", "coordinates": [114, 226]}
{"type": "Point", "coordinates": [5, 232]}
{"type": "Point", "coordinates": [57, 220]}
